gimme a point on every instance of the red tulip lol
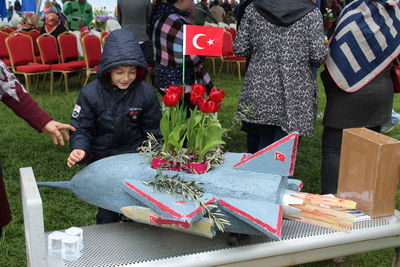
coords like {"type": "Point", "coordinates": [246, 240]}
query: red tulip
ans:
{"type": "Point", "coordinates": [196, 97]}
{"type": "Point", "coordinates": [217, 106]}
{"type": "Point", "coordinates": [199, 88]}
{"type": "Point", "coordinates": [175, 89]}
{"type": "Point", "coordinates": [216, 95]}
{"type": "Point", "coordinates": [170, 99]}
{"type": "Point", "coordinates": [207, 106]}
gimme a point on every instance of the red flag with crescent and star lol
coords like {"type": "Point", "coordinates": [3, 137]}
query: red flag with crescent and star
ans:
{"type": "Point", "coordinates": [202, 40]}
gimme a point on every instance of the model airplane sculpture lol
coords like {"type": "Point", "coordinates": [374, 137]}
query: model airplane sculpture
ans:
{"type": "Point", "coordinates": [248, 190]}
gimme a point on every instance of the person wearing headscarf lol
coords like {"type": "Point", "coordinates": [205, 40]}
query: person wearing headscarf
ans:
{"type": "Point", "coordinates": [53, 24]}
{"type": "Point", "coordinates": [284, 40]}
{"type": "Point", "coordinates": [357, 78]}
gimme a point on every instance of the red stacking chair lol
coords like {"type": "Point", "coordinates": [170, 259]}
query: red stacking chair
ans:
{"type": "Point", "coordinates": [104, 36]}
{"type": "Point", "coordinates": [83, 34]}
{"type": "Point", "coordinates": [3, 49]}
{"type": "Point", "coordinates": [34, 34]}
{"type": "Point", "coordinates": [68, 45]}
{"type": "Point", "coordinates": [232, 31]}
{"type": "Point", "coordinates": [8, 30]}
{"type": "Point", "coordinates": [91, 46]}
{"type": "Point", "coordinates": [49, 54]}
{"type": "Point", "coordinates": [228, 56]}
{"type": "Point", "coordinates": [20, 49]}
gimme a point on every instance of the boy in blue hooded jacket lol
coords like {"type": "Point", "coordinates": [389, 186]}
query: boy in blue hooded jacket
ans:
{"type": "Point", "coordinates": [114, 112]}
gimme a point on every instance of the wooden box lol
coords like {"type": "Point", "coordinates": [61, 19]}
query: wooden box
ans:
{"type": "Point", "coordinates": [369, 170]}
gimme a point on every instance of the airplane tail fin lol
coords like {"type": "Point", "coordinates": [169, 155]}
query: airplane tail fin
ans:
{"type": "Point", "coordinates": [58, 184]}
{"type": "Point", "coordinates": [277, 158]}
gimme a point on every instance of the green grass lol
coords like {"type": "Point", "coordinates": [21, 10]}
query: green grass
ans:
{"type": "Point", "coordinates": [21, 146]}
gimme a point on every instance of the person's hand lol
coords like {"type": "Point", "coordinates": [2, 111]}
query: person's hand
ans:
{"type": "Point", "coordinates": [76, 156]}
{"type": "Point", "coordinates": [57, 130]}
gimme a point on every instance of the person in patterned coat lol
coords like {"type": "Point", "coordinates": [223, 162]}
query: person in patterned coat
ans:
{"type": "Point", "coordinates": [284, 40]}
{"type": "Point", "coordinates": [167, 23]}
{"type": "Point", "coordinates": [13, 94]}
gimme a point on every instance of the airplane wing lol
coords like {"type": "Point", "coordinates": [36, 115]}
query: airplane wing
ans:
{"type": "Point", "coordinates": [175, 207]}
{"type": "Point", "coordinates": [262, 215]}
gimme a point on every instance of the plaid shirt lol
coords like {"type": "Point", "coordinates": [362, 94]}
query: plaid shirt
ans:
{"type": "Point", "coordinates": [168, 50]}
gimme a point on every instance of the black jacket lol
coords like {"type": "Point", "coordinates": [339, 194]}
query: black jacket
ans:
{"type": "Point", "coordinates": [111, 121]}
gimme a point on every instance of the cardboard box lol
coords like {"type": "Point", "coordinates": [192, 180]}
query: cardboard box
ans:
{"type": "Point", "coordinates": [369, 170]}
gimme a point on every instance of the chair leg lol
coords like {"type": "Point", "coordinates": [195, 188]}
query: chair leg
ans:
{"type": "Point", "coordinates": [213, 66]}
{"type": "Point", "coordinates": [83, 77]}
{"type": "Point", "coordinates": [26, 82]}
{"type": "Point", "coordinates": [66, 82]}
{"type": "Point", "coordinates": [44, 79]}
{"type": "Point", "coordinates": [87, 79]}
{"type": "Point", "coordinates": [51, 82]}
{"type": "Point", "coordinates": [36, 80]}
{"type": "Point", "coordinates": [220, 68]}
{"type": "Point", "coordinates": [60, 80]}
{"type": "Point", "coordinates": [80, 79]}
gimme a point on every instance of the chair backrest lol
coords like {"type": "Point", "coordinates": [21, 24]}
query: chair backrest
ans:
{"type": "Point", "coordinates": [47, 44]}
{"type": "Point", "coordinates": [34, 34]}
{"type": "Point", "coordinates": [91, 46]}
{"type": "Point", "coordinates": [3, 47]}
{"type": "Point", "coordinates": [104, 36]}
{"type": "Point", "coordinates": [20, 49]}
{"type": "Point", "coordinates": [68, 45]}
{"type": "Point", "coordinates": [232, 31]}
{"type": "Point", "coordinates": [227, 48]}
{"type": "Point", "coordinates": [8, 29]}
{"type": "Point", "coordinates": [83, 34]}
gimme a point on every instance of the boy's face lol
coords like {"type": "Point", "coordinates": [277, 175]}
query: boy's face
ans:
{"type": "Point", "coordinates": [122, 77]}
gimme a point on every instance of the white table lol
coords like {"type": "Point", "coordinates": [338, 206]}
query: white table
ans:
{"type": "Point", "coordinates": [133, 244]}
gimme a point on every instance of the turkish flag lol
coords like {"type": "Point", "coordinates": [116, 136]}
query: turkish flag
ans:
{"type": "Point", "coordinates": [202, 40]}
{"type": "Point", "coordinates": [280, 156]}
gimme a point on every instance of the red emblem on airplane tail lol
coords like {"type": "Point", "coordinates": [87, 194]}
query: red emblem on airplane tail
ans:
{"type": "Point", "coordinates": [279, 156]}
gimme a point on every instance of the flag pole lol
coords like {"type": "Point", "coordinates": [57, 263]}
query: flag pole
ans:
{"type": "Point", "coordinates": [183, 64]}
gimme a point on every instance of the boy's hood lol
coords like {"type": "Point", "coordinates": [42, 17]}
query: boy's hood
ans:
{"type": "Point", "coordinates": [283, 12]}
{"type": "Point", "coordinates": [122, 48]}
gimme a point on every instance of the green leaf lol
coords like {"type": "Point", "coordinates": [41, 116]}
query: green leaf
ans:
{"type": "Point", "coordinates": [210, 146]}
{"type": "Point", "coordinates": [176, 136]}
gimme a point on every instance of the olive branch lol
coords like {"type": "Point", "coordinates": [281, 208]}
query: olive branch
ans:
{"type": "Point", "coordinates": [189, 190]}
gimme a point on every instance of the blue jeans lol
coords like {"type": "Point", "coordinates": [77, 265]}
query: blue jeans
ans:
{"type": "Point", "coordinates": [260, 136]}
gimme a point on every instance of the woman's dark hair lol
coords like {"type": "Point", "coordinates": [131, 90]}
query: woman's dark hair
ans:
{"type": "Point", "coordinates": [216, 2]}
{"type": "Point", "coordinates": [172, 1]}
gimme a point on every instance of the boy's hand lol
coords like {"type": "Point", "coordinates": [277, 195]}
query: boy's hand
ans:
{"type": "Point", "coordinates": [75, 156]}
{"type": "Point", "coordinates": [57, 130]}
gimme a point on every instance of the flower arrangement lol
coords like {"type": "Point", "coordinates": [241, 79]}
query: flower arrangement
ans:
{"type": "Point", "coordinates": [191, 143]}
{"type": "Point", "coordinates": [100, 19]}
{"type": "Point", "coordinates": [328, 18]}
{"type": "Point", "coordinates": [328, 15]}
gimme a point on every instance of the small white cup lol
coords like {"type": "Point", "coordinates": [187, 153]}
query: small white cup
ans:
{"type": "Point", "coordinates": [70, 248]}
{"type": "Point", "coordinates": [54, 241]}
{"type": "Point", "coordinates": [76, 231]}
